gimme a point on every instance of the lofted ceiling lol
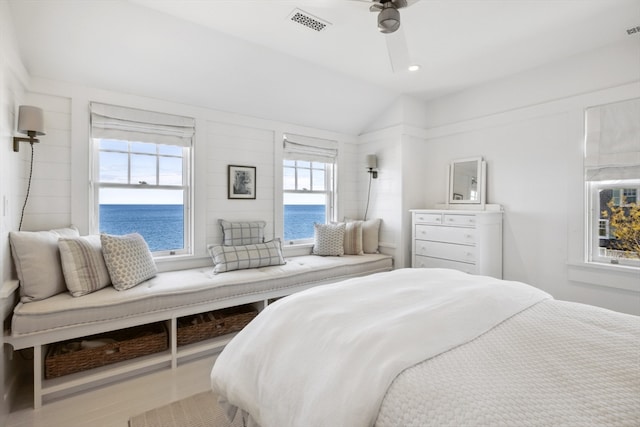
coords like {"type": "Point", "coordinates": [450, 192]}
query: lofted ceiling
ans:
{"type": "Point", "coordinates": [249, 57]}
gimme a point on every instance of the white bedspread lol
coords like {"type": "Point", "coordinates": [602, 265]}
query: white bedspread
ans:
{"type": "Point", "coordinates": [325, 357]}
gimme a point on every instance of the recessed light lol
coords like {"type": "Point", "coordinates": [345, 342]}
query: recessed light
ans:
{"type": "Point", "coordinates": [414, 67]}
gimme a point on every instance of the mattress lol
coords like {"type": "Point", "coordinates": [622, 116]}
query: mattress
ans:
{"type": "Point", "coordinates": [177, 289]}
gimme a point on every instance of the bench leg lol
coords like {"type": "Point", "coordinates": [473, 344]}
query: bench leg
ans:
{"type": "Point", "coordinates": [38, 373]}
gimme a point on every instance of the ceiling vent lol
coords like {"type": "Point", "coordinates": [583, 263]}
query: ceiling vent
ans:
{"type": "Point", "coordinates": [303, 18]}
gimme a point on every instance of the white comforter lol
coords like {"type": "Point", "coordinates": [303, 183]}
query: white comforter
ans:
{"type": "Point", "coordinates": [326, 356]}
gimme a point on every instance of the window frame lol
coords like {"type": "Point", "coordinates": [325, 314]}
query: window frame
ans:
{"type": "Point", "coordinates": [186, 187]}
{"type": "Point", "coordinates": [594, 253]}
{"type": "Point", "coordinates": [329, 191]}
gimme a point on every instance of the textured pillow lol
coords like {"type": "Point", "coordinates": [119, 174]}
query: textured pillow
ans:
{"type": "Point", "coordinates": [370, 234]}
{"type": "Point", "coordinates": [37, 261]}
{"type": "Point", "coordinates": [353, 238]}
{"type": "Point", "coordinates": [128, 260]}
{"type": "Point", "coordinates": [83, 264]}
{"type": "Point", "coordinates": [242, 233]}
{"type": "Point", "coordinates": [328, 239]}
{"type": "Point", "coordinates": [228, 258]}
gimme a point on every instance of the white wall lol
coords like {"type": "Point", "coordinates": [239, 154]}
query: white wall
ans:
{"type": "Point", "coordinates": [529, 129]}
{"type": "Point", "coordinates": [13, 80]}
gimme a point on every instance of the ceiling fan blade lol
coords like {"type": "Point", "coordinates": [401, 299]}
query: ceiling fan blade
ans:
{"type": "Point", "coordinates": [375, 7]}
{"type": "Point", "coordinates": [398, 50]}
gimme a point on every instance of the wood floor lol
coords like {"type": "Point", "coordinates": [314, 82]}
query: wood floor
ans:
{"type": "Point", "coordinates": [113, 405]}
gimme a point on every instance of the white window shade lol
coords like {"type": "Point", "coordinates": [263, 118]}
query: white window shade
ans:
{"type": "Point", "coordinates": [297, 147]}
{"type": "Point", "coordinates": [130, 124]}
{"type": "Point", "coordinates": [613, 141]}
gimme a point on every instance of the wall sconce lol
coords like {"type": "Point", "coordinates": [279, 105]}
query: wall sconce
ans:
{"type": "Point", "coordinates": [31, 123]}
{"type": "Point", "coordinates": [372, 164]}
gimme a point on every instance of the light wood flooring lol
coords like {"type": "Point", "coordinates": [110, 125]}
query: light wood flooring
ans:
{"type": "Point", "coordinates": [113, 405]}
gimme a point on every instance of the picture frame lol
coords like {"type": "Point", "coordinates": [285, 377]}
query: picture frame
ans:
{"type": "Point", "coordinates": [241, 182]}
{"type": "Point", "coordinates": [457, 196]}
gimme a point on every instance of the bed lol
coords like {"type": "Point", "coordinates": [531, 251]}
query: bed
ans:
{"type": "Point", "coordinates": [431, 347]}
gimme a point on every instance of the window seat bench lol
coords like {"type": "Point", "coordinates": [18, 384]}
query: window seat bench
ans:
{"type": "Point", "coordinates": [165, 298]}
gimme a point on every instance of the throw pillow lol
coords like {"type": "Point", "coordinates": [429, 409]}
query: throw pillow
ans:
{"type": "Point", "coordinates": [370, 234]}
{"type": "Point", "coordinates": [228, 258]}
{"type": "Point", "coordinates": [128, 260]}
{"type": "Point", "coordinates": [328, 239]}
{"type": "Point", "coordinates": [353, 238]}
{"type": "Point", "coordinates": [242, 233]}
{"type": "Point", "coordinates": [83, 264]}
{"type": "Point", "coordinates": [37, 260]}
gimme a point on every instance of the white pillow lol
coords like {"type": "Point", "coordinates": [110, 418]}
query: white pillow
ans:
{"type": "Point", "coordinates": [370, 234]}
{"type": "Point", "coordinates": [242, 233]}
{"type": "Point", "coordinates": [128, 260]}
{"type": "Point", "coordinates": [37, 260]}
{"type": "Point", "coordinates": [83, 264]}
{"type": "Point", "coordinates": [228, 258]}
{"type": "Point", "coordinates": [328, 239]}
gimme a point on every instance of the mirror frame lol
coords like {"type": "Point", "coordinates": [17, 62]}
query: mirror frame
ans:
{"type": "Point", "coordinates": [482, 186]}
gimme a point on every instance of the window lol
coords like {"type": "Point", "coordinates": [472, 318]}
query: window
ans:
{"type": "Point", "coordinates": [612, 171]}
{"type": "Point", "coordinates": [141, 182]}
{"type": "Point", "coordinates": [308, 186]}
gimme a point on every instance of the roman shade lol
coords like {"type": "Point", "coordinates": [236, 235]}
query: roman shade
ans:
{"type": "Point", "coordinates": [131, 124]}
{"type": "Point", "coordinates": [298, 147]}
{"type": "Point", "coordinates": [612, 141]}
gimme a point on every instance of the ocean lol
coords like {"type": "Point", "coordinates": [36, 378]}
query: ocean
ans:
{"type": "Point", "coordinates": [162, 225]}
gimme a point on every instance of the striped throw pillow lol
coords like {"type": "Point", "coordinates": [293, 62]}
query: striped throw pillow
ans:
{"type": "Point", "coordinates": [353, 238]}
{"type": "Point", "coordinates": [83, 264]}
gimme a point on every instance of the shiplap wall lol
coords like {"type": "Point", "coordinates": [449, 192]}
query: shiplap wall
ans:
{"type": "Point", "coordinates": [60, 193]}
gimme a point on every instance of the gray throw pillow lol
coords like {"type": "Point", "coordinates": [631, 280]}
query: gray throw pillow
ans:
{"type": "Point", "coordinates": [328, 239]}
{"type": "Point", "coordinates": [128, 260]}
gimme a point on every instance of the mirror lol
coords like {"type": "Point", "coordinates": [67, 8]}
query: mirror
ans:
{"type": "Point", "coordinates": [467, 181]}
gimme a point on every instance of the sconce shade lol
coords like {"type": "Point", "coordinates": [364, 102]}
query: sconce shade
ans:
{"type": "Point", "coordinates": [30, 119]}
{"type": "Point", "coordinates": [372, 161]}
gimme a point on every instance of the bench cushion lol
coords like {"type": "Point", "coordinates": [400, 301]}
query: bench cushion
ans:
{"type": "Point", "coordinates": [179, 289]}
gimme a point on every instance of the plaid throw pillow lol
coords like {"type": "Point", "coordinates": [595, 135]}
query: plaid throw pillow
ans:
{"type": "Point", "coordinates": [229, 258]}
{"type": "Point", "coordinates": [242, 233]}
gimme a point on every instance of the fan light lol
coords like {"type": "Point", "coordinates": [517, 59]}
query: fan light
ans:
{"type": "Point", "coordinates": [388, 19]}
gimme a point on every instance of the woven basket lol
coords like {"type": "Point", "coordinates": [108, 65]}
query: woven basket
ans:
{"type": "Point", "coordinates": [214, 323]}
{"type": "Point", "coordinates": [68, 357]}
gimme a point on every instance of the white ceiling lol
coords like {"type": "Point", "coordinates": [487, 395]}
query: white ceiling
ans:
{"type": "Point", "coordinates": [247, 56]}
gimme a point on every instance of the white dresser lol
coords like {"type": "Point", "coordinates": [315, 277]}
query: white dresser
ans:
{"type": "Point", "coordinates": [470, 241]}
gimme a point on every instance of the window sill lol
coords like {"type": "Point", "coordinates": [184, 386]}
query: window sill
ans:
{"type": "Point", "coordinates": [619, 276]}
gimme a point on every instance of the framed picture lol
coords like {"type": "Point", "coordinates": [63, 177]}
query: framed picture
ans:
{"type": "Point", "coordinates": [457, 196]}
{"type": "Point", "coordinates": [242, 182]}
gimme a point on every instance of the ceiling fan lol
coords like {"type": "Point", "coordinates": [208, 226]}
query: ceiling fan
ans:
{"type": "Point", "coordinates": [389, 25]}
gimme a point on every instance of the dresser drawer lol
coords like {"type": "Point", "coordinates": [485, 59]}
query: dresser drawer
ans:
{"type": "Point", "coordinates": [428, 218]}
{"type": "Point", "coordinates": [460, 220]}
{"type": "Point", "coordinates": [446, 251]}
{"type": "Point", "coordinates": [428, 262]}
{"type": "Point", "coordinates": [438, 233]}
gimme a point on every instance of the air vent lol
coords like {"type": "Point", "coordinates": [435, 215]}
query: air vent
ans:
{"type": "Point", "coordinates": [303, 18]}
